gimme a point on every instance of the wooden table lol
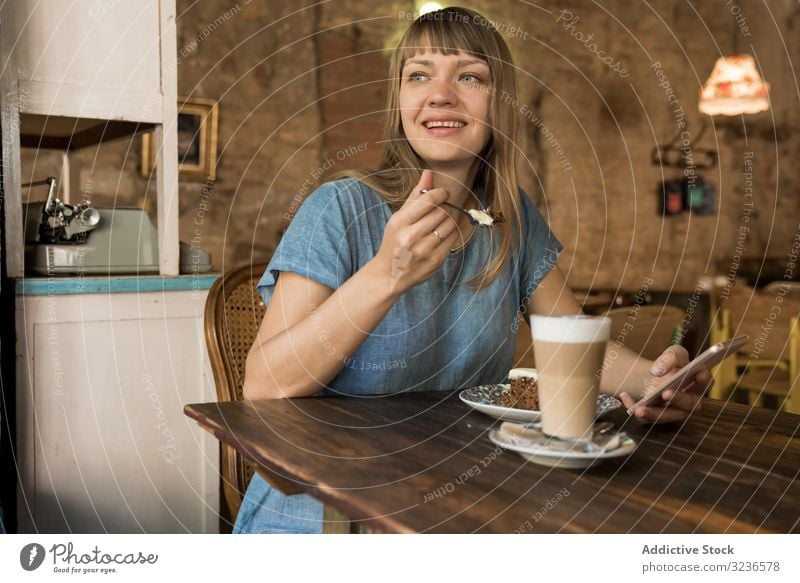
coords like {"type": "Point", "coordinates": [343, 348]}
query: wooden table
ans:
{"type": "Point", "coordinates": [422, 462]}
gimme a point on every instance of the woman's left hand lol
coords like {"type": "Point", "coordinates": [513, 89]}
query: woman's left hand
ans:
{"type": "Point", "coordinates": [678, 403]}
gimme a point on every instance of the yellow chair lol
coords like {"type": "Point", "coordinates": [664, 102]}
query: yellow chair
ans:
{"type": "Point", "coordinates": [782, 380]}
{"type": "Point", "coordinates": [725, 374]}
{"type": "Point", "coordinates": [770, 363]}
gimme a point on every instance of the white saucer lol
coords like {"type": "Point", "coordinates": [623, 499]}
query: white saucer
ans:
{"type": "Point", "coordinates": [561, 459]}
{"type": "Point", "coordinates": [484, 398]}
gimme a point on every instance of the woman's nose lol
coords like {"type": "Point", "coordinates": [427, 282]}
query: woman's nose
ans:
{"type": "Point", "coordinates": [442, 91]}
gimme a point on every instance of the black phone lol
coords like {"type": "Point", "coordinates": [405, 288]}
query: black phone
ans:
{"type": "Point", "coordinates": [711, 357]}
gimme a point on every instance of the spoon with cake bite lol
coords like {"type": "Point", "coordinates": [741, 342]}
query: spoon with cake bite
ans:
{"type": "Point", "coordinates": [480, 217]}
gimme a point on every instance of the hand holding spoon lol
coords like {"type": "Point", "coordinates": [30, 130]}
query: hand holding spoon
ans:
{"type": "Point", "coordinates": [482, 218]}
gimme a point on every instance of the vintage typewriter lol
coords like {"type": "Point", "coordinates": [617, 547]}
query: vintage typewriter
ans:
{"type": "Point", "coordinates": [64, 239]}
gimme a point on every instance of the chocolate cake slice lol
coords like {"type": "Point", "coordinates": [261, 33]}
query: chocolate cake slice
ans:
{"type": "Point", "coordinates": [524, 392]}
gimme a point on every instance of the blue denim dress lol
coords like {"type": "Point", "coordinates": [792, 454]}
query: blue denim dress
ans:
{"type": "Point", "coordinates": [440, 335]}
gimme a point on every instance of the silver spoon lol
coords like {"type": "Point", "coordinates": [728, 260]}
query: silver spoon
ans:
{"type": "Point", "coordinates": [599, 428]}
{"type": "Point", "coordinates": [599, 442]}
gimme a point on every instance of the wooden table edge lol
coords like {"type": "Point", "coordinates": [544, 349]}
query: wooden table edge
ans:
{"type": "Point", "coordinates": [319, 491]}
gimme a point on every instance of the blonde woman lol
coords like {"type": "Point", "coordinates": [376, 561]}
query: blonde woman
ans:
{"type": "Point", "coordinates": [379, 287]}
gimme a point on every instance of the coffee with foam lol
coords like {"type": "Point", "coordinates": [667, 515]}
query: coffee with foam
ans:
{"type": "Point", "coordinates": [569, 352]}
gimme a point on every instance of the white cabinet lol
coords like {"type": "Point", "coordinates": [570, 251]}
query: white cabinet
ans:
{"type": "Point", "coordinates": [75, 73]}
{"type": "Point", "coordinates": [102, 443]}
{"type": "Point", "coordinates": [88, 58]}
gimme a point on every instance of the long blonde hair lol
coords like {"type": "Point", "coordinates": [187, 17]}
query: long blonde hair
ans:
{"type": "Point", "coordinates": [448, 31]}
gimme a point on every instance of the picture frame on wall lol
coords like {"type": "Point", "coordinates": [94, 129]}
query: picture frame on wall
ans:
{"type": "Point", "coordinates": [198, 120]}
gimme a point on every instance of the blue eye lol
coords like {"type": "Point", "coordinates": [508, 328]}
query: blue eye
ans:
{"type": "Point", "coordinates": [412, 76]}
{"type": "Point", "coordinates": [475, 77]}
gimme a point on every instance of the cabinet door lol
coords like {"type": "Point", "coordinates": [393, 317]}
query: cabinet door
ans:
{"type": "Point", "coordinates": [112, 450]}
{"type": "Point", "coordinates": [88, 58]}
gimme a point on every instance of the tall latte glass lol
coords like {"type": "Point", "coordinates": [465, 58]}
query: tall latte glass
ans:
{"type": "Point", "coordinates": [569, 353]}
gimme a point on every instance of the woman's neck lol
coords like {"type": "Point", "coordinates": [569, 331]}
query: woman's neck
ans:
{"type": "Point", "coordinates": [458, 183]}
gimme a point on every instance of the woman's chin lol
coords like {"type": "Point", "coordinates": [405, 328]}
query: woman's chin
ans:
{"type": "Point", "coordinates": [446, 156]}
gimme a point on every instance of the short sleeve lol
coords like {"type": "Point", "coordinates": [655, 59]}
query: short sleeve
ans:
{"type": "Point", "coordinates": [539, 249]}
{"type": "Point", "coordinates": [315, 245]}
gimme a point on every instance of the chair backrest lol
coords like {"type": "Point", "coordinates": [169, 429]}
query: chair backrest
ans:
{"type": "Point", "coordinates": [233, 314]}
{"type": "Point", "coordinates": [647, 330]}
{"type": "Point", "coordinates": [783, 288]}
{"type": "Point", "coordinates": [765, 317]}
{"type": "Point", "coordinates": [792, 402]}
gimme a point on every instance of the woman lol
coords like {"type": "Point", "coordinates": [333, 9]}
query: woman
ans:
{"type": "Point", "coordinates": [378, 287]}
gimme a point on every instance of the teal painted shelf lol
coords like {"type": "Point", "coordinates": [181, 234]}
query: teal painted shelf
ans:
{"type": "Point", "coordinates": [62, 286]}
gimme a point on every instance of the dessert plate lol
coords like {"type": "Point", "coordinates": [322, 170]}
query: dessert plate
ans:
{"type": "Point", "coordinates": [543, 455]}
{"type": "Point", "coordinates": [486, 399]}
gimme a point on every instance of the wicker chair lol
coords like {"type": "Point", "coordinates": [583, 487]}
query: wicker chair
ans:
{"type": "Point", "coordinates": [646, 330]}
{"type": "Point", "coordinates": [233, 314]}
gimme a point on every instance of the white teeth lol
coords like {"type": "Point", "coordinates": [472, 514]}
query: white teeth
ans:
{"type": "Point", "coordinates": [444, 124]}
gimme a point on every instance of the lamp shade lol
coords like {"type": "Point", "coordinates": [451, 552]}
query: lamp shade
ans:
{"type": "Point", "coordinates": [734, 87]}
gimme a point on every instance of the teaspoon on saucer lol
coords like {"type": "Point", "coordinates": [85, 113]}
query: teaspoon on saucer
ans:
{"type": "Point", "coordinates": [599, 443]}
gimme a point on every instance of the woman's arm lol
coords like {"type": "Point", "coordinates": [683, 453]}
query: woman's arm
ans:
{"type": "Point", "coordinates": [623, 369]}
{"type": "Point", "coordinates": [310, 331]}
{"type": "Point", "coordinates": [552, 297]}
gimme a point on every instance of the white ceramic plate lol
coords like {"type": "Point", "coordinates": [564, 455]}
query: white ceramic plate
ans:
{"type": "Point", "coordinates": [486, 399]}
{"type": "Point", "coordinates": [562, 459]}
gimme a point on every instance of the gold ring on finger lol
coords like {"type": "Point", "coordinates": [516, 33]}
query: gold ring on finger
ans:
{"type": "Point", "coordinates": [435, 232]}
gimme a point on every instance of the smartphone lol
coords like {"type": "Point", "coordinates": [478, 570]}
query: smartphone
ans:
{"type": "Point", "coordinates": [711, 357]}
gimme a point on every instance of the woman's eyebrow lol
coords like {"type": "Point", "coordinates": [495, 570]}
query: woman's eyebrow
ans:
{"type": "Point", "coordinates": [460, 63]}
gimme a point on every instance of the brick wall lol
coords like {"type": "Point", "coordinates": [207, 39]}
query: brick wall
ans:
{"type": "Point", "coordinates": [301, 84]}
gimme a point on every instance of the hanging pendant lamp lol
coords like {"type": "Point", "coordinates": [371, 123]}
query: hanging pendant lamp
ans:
{"type": "Point", "coordinates": [735, 87]}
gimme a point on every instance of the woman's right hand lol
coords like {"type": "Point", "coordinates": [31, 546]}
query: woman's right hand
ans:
{"type": "Point", "coordinates": [411, 251]}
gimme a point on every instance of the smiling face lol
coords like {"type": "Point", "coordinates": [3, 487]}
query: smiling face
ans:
{"type": "Point", "coordinates": [444, 107]}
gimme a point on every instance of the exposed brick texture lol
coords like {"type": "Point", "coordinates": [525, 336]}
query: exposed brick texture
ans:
{"type": "Point", "coordinates": [297, 87]}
